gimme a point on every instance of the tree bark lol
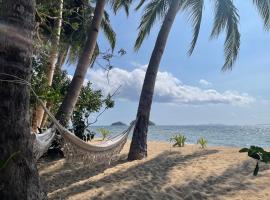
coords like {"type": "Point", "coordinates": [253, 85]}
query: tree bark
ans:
{"type": "Point", "coordinates": [19, 178]}
{"type": "Point", "coordinates": [138, 147]}
{"type": "Point", "coordinates": [62, 56]}
{"type": "Point", "coordinates": [69, 102]}
{"type": "Point", "coordinates": [53, 57]}
{"type": "Point", "coordinates": [55, 44]}
{"type": "Point", "coordinates": [49, 106]}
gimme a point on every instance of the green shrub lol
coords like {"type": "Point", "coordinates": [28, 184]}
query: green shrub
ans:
{"type": "Point", "coordinates": [104, 132]}
{"type": "Point", "coordinates": [258, 154]}
{"type": "Point", "coordinates": [202, 142]}
{"type": "Point", "coordinates": [179, 140]}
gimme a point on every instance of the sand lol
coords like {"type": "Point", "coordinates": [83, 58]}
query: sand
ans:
{"type": "Point", "coordinates": [188, 173]}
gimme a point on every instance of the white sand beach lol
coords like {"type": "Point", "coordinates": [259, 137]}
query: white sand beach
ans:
{"type": "Point", "coordinates": [188, 173]}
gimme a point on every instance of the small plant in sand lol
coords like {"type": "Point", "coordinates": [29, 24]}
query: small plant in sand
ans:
{"type": "Point", "coordinates": [104, 132]}
{"type": "Point", "coordinates": [258, 154]}
{"type": "Point", "coordinates": [202, 142]}
{"type": "Point", "coordinates": [179, 140]}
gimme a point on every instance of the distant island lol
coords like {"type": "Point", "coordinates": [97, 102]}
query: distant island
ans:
{"type": "Point", "coordinates": [150, 123]}
{"type": "Point", "coordinates": [118, 124]}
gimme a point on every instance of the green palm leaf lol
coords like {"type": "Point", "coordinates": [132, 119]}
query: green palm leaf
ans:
{"type": "Point", "coordinates": [263, 7]}
{"type": "Point", "coordinates": [153, 10]}
{"type": "Point", "coordinates": [194, 8]}
{"type": "Point", "coordinates": [227, 18]}
{"type": "Point", "coordinates": [140, 4]}
{"type": "Point", "coordinates": [108, 31]}
{"type": "Point", "coordinates": [117, 4]}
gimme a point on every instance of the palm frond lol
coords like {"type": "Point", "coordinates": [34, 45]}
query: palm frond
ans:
{"type": "Point", "coordinates": [75, 50]}
{"type": "Point", "coordinates": [108, 31]}
{"type": "Point", "coordinates": [118, 4]}
{"type": "Point", "coordinates": [195, 9]}
{"type": "Point", "coordinates": [263, 6]}
{"type": "Point", "coordinates": [153, 10]}
{"type": "Point", "coordinates": [227, 18]}
{"type": "Point", "coordinates": [140, 4]}
{"type": "Point", "coordinates": [106, 16]}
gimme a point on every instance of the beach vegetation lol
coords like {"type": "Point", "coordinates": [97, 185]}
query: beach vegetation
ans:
{"type": "Point", "coordinates": [179, 140]}
{"type": "Point", "coordinates": [87, 52]}
{"type": "Point", "coordinates": [202, 142]}
{"type": "Point", "coordinates": [104, 132]}
{"type": "Point", "coordinates": [257, 153]}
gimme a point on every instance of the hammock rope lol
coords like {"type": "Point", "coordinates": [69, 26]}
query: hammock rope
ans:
{"type": "Point", "coordinates": [75, 149]}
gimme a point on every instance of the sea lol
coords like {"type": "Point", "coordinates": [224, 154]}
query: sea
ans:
{"type": "Point", "coordinates": [216, 135]}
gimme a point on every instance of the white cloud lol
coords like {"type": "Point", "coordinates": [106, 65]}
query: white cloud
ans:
{"type": "Point", "coordinates": [168, 89]}
{"type": "Point", "coordinates": [205, 82]}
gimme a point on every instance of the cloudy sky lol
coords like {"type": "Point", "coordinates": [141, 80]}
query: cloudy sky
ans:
{"type": "Point", "coordinates": [190, 90]}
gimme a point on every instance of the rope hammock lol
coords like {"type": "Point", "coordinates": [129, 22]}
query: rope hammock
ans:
{"type": "Point", "coordinates": [43, 142]}
{"type": "Point", "coordinates": [75, 149]}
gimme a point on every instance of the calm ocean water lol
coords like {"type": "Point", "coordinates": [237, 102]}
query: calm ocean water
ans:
{"type": "Point", "coordinates": [216, 135]}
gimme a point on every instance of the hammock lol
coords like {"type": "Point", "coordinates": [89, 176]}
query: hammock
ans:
{"type": "Point", "coordinates": [43, 142]}
{"type": "Point", "coordinates": [76, 149]}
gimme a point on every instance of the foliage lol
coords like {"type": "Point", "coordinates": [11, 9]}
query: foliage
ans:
{"type": "Point", "coordinates": [76, 19]}
{"type": "Point", "coordinates": [104, 132]}
{"type": "Point", "coordinates": [263, 7]}
{"type": "Point", "coordinates": [89, 102]}
{"type": "Point", "coordinates": [179, 140]}
{"type": "Point", "coordinates": [226, 19]}
{"type": "Point", "coordinates": [202, 142]}
{"type": "Point", "coordinates": [258, 154]}
{"type": "Point", "coordinates": [53, 94]}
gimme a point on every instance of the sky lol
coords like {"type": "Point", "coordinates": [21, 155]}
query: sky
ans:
{"type": "Point", "coordinates": [190, 90]}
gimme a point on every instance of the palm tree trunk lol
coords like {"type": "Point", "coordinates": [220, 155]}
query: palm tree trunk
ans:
{"type": "Point", "coordinates": [60, 61]}
{"type": "Point", "coordinates": [49, 106]}
{"type": "Point", "coordinates": [62, 56]}
{"type": "Point", "coordinates": [51, 63]}
{"type": "Point", "coordinates": [69, 102]}
{"type": "Point", "coordinates": [138, 147]}
{"type": "Point", "coordinates": [19, 178]}
{"type": "Point", "coordinates": [55, 44]}
{"type": "Point", "coordinates": [37, 119]}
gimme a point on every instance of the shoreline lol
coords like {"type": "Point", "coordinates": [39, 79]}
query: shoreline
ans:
{"type": "Point", "coordinates": [238, 137]}
{"type": "Point", "coordinates": [188, 173]}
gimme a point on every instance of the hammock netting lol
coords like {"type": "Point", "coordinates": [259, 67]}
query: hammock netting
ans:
{"type": "Point", "coordinates": [43, 142]}
{"type": "Point", "coordinates": [76, 149]}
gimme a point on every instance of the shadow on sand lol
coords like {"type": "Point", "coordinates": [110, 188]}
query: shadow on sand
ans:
{"type": "Point", "coordinates": [155, 173]}
{"type": "Point", "coordinates": [165, 161]}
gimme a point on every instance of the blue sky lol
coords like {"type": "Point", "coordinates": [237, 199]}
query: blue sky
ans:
{"type": "Point", "coordinates": [191, 90]}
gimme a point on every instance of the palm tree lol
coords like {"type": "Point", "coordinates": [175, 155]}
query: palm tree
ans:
{"type": "Point", "coordinates": [226, 18]}
{"type": "Point", "coordinates": [52, 60]}
{"type": "Point", "coordinates": [74, 89]}
{"type": "Point", "coordinates": [70, 100]}
{"type": "Point", "coordinates": [19, 175]}
{"type": "Point", "coordinates": [73, 35]}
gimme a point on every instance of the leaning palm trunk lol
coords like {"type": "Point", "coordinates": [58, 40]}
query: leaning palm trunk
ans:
{"type": "Point", "coordinates": [49, 106]}
{"type": "Point", "coordinates": [19, 176]}
{"type": "Point", "coordinates": [53, 57]}
{"type": "Point", "coordinates": [62, 56]}
{"type": "Point", "coordinates": [138, 147]}
{"type": "Point", "coordinates": [74, 89]}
